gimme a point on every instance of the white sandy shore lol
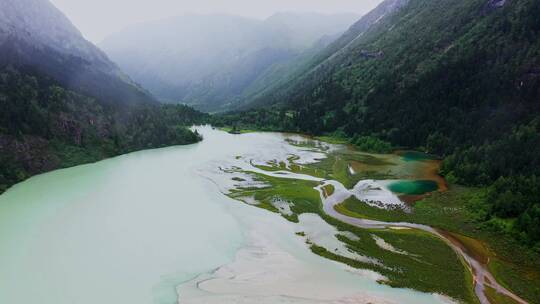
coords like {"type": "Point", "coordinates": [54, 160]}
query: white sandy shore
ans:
{"type": "Point", "coordinates": [387, 246]}
{"type": "Point", "coordinates": [377, 194]}
{"type": "Point", "coordinates": [276, 265]}
{"type": "Point", "coordinates": [270, 270]}
{"type": "Point", "coordinates": [322, 234]}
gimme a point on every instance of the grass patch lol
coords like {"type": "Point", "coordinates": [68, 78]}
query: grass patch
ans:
{"type": "Point", "coordinates": [513, 265]}
{"type": "Point", "coordinates": [497, 298]}
{"type": "Point", "coordinates": [70, 155]}
{"type": "Point", "coordinates": [304, 198]}
{"type": "Point", "coordinates": [294, 168]}
{"type": "Point", "coordinates": [337, 166]}
{"type": "Point", "coordinates": [238, 131]}
{"type": "Point", "coordinates": [335, 140]}
{"type": "Point", "coordinates": [419, 270]}
{"type": "Point", "coordinates": [433, 267]}
{"type": "Point", "coordinates": [457, 210]}
{"type": "Point", "coordinates": [328, 190]}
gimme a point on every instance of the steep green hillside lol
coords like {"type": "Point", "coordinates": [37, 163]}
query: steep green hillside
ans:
{"type": "Point", "coordinates": [460, 79]}
{"type": "Point", "coordinates": [43, 127]}
{"type": "Point", "coordinates": [64, 103]}
{"type": "Point", "coordinates": [324, 58]}
{"type": "Point", "coordinates": [35, 34]}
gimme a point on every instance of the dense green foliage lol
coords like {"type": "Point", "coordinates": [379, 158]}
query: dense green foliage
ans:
{"type": "Point", "coordinates": [44, 126]}
{"type": "Point", "coordinates": [509, 166]}
{"type": "Point", "coordinates": [517, 197]}
{"type": "Point", "coordinates": [282, 120]}
{"type": "Point", "coordinates": [462, 210]}
{"type": "Point", "coordinates": [513, 153]}
{"type": "Point", "coordinates": [259, 119]}
{"type": "Point", "coordinates": [459, 79]}
{"type": "Point", "coordinates": [371, 144]}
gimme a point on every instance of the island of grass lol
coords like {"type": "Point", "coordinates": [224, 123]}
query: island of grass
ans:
{"type": "Point", "coordinates": [514, 266]}
{"type": "Point", "coordinates": [446, 271]}
{"type": "Point", "coordinates": [236, 131]}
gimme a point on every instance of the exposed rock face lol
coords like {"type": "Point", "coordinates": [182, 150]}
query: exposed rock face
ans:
{"type": "Point", "coordinates": [34, 34]}
{"type": "Point", "coordinates": [32, 151]}
{"type": "Point", "coordinates": [493, 5]}
{"type": "Point", "coordinates": [368, 54]}
{"type": "Point", "coordinates": [496, 3]}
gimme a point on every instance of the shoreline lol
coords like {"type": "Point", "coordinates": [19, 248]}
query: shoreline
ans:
{"type": "Point", "coordinates": [480, 274]}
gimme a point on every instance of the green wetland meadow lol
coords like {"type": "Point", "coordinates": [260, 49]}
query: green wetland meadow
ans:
{"type": "Point", "coordinates": [406, 257]}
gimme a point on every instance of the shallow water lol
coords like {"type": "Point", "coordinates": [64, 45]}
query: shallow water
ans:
{"type": "Point", "coordinates": [413, 187]}
{"type": "Point", "coordinates": [149, 227]}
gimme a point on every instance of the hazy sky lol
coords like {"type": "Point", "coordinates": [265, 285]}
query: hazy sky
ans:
{"type": "Point", "coordinates": [98, 18]}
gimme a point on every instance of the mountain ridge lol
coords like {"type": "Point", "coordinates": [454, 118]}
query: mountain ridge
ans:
{"type": "Point", "coordinates": [204, 59]}
{"type": "Point", "coordinates": [35, 34]}
{"type": "Point", "coordinates": [327, 53]}
{"type": "Point", "coordinates": [64, 103]}
{"type": "Point", "coordinates": [457, 79]}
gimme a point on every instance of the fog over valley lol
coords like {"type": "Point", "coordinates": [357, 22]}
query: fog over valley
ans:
{"type": "Point", "coordinates": [100, 18]}
{"type": "Point", "coordinates": [213, 61]}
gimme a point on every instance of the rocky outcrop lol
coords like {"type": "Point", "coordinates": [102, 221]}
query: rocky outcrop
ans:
{"type": "Point", "coordinates": [496, 3]}
{"type": "Point", "coordinates": [371, 54]}
{"type": "Point", "coordinates": [492, 5]}
{"type": "Point", "coordinates": [30, 151]}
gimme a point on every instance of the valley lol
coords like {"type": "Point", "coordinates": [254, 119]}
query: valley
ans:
{"type": "Point", "coordinates": [365, 227]}
{"type": "Point", "coordinates": [305, 152]}
{"type": "Point", "coordinates": [116, 238]}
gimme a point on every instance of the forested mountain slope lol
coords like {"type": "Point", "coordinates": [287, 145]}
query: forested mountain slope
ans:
{"type": "Point", "coordinates": [35, 35]}
{"type": "Point", "coordinates": [459, 78]}
{"type": "Point", "coordinates": [210, 61]}
{"type": "Point", "coordinates": [63, 102]}
{"type": "Point", "coordinates": [323, 57]}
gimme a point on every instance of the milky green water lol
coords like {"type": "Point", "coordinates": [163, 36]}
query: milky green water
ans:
{"type": "Point", "coordinates": [98, 233]}
{"type": "Point", "coordinates": [413, 187]}
{"type": "Point", "coordinates": [132, 228]}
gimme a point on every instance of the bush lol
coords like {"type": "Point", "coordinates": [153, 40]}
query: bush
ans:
{"type": "Point", "coordinates": [371, 144]}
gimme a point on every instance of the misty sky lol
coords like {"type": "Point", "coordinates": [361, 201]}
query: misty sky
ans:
{"type": "Point", "coordinates": [98, 18]}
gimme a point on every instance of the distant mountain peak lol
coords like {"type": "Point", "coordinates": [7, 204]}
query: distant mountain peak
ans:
{"type": "Point", "coordinates": [40, 22]}
{"type": "Point", "coordinates": [212, 59]}
{"type": "Point", "coordinates": [35, 35]}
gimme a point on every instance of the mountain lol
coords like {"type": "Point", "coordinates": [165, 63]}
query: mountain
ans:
{"type": "Point", "coordinates": [424, 73]}
{"type": "Point", "coordinates": [35, 35]}
{"type": "Point", "coordinates": [456, 78]}
{"type": "Point", "coordinates": [64, 103]}
{"type": "Point", "coordinates": [324, 57]}
{"type": "Point", "coordinates": [272, 88]}
{"type": "Point", "coordinates": [211, 60]}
